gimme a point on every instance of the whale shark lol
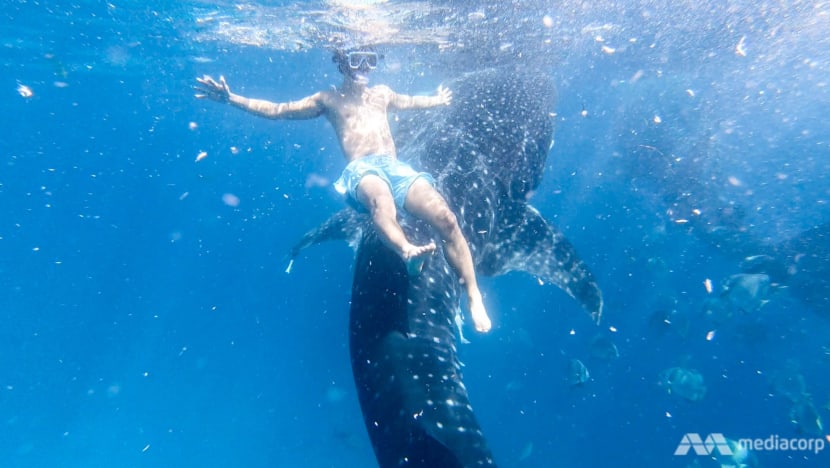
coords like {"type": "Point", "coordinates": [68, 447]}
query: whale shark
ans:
{"type": "Point", "coordinates": [487, 153]}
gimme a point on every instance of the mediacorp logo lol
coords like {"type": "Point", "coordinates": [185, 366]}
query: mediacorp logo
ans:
{"type": "Point", "coordinates": [714, 442]}
{"type": "Point", "coordinates": [718, 445]}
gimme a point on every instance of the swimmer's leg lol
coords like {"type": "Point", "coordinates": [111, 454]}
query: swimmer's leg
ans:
{"type": "Point", "coordinates": [425, 202]}
{"type": "Point", "coordinates": [374, 194]}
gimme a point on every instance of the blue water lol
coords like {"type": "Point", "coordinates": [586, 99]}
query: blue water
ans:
{"type": "Point", "coordinates": [147, 319]}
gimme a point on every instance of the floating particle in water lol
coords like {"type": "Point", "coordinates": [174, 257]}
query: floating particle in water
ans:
{"type": "Point", "coordinates": [477, 16]}
{"type": "Point", "coordinates": [335, 394]}
{"type": "Point", "coordinates": [547, 21]}
{"type": "Point", "coordinates": [230, 200]}
{"type": "Point", "coordinates": [192, 125]}
{"type": "Point", "coordinates": [707, 283]}
{"type": "Point", "coordinates": [665, 320]}
{"type": "Point", "coordinates": [608, 50]}
{"type": "Point", "coordinates": [316, 180]}
{"type": "Point", "coordinates": [24, 90]}
{"type": "Point", "coordinates": [201, 155]}
{"type": "Point", "coordinates": [636, 76]}
{"type": "Point", "coordinates": [113, 390]}
{"type": "Point", "coordinates": [740, 49]}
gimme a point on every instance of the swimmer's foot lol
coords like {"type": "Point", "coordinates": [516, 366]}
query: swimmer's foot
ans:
{"type": "Point", "coordinates": [479, 313]}
{"type": "Point", "coordinates": [415, 256]}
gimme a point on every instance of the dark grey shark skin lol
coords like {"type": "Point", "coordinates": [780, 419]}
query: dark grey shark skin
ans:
{"type": "Point", "coordinates": [487, 151]}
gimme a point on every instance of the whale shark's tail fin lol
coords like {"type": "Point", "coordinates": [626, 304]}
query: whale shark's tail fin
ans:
{"type": "Point", "coordinates": [539, 248]}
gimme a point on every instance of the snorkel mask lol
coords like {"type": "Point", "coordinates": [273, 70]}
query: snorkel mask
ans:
{"type": "Point", "coordinates": [356, 63]}
{"type": "Point", "coordinates": [363, 61]}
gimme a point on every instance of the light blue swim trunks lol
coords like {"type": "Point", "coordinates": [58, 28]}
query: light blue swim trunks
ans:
{"type": "Point", "coordinates": [397, 174]}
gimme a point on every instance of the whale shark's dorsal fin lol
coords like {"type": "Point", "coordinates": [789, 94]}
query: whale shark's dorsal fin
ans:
{"type": "Point", "coordinates": [539, 248]}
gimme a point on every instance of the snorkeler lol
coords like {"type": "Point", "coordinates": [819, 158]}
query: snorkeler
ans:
{"type": "Point", "coordinates": [374, 178]}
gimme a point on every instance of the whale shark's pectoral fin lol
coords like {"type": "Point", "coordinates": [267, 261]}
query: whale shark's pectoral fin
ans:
{"type": "Point", "coordinates": [537, 247]}
{"type": "Point", "coordinates": [346, 224]}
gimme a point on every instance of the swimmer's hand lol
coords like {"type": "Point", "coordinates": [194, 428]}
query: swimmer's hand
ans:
{"type": "Point", "coordinates": [211, 89]}
{"type": "Point", "coordinates": [444, 96]}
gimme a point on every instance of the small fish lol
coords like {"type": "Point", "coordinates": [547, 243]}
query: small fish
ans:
{"type": "Point", "coordinates": [717, 310]}
{"type": "Point", "coordinates": [526, 452]}
{"type": "Point", "coordinates": [790, 384]}
{"type": "Point", "coordinates": [577, 373]}
{"type": "Point", "coordinates": [747, 292]}
{"type": "Point", "coordinates": [778, 270]}
{"type": "Point", "coordinates": [806, 418]}
{"type": "Point", "coordinates": [685, 383]}
{"type": "Point", "coordinates": [603, 348]}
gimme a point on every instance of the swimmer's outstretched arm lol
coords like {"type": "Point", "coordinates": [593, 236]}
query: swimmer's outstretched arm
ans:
{"type": "Point", "coordinates": [443, 97]}
{"type": "Point", "coordinates": [306, 108]}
